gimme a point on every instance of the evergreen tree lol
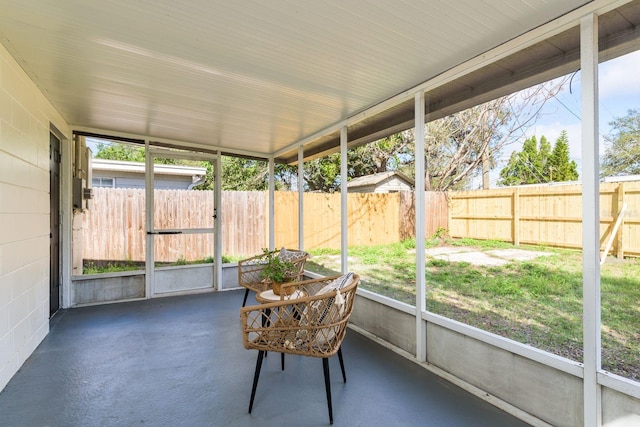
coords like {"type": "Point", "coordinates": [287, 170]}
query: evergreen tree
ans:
{"type": "Point", "coordinates": [560, 167]}
{"type": "Point", "coordinates": [537, 163]}
{"type": "Point", "coordinates": [527, 166]}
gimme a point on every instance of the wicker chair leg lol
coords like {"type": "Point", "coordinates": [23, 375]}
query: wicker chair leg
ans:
{"type": "Point", "coordinates": [344, 376]}
{"type": "Point", "coordinates": [256, 376]}
{"type": "Point", "coordinates": [246, 293]}
{"type": "Point", "coordinates": [282, 360]}
{"type": "Point", "coordinates": [327, 385]}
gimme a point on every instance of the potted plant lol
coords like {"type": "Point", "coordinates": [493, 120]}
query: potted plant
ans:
{"type": "Point", "coordinates": [277, 271]}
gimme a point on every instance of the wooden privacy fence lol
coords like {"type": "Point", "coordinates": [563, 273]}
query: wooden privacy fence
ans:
{"type": "Point", "coordinates": [372, 218]}
{"type": "Point", "coordinates": [114, 228]}
{"type": "Point", "coordinates": [546, 215]}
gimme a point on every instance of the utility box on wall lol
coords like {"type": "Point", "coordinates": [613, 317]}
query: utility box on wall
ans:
{"type": "Point", "coordinates": [82, 191]}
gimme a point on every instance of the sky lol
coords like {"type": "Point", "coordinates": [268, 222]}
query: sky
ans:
{"type": "Point", "coordinates": [619, 91]}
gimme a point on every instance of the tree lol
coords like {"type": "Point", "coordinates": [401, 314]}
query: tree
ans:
{"type": "Point", "coordinates": [560, 167]}
{"type": "Point", "coordinates": [457, 144]}
{"type": "Point", "coordinates": [528, 166]}
{"type": "Point", "coordinates": [239, 174]}
{"type": "Point", "coordinates": [538, 164]}
{"type": "Point", "coordinates": [385, 154]}
{"type": "Point", "coordinates": [622, 156]}
{"type": "Point", "coordinates": [322, 174]}
{"type": "Point", "coordinates": [117, 151]}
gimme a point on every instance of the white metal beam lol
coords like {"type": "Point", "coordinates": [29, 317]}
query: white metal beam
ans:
{"type": "Point", "coordinates": [590, 219]}
{"type": "Point", "coordinates": [272, 205]}
{"type": "Point", "coordinates": [421, 337]}
{"type": "Point", "coordinates": [217, 222]}
{"type": "Point", "coordinates": [66, 212]}
{"type": "Point", "coordinates": [150, 238]}
{"type": "Point", "coordinates": [301, 197]}
{"type": "Point", "coordinates": [344, 216]}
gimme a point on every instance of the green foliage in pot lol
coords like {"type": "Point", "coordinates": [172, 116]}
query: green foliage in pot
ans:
{"type": "Point", "coordinates": [276, 270]}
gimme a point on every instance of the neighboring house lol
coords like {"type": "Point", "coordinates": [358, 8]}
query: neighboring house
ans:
{"type": "Point", "coordinates": [121, 174]}
{"type": "Point", "coordinates": [625, 178]}
{"type": "Point", "coordinates": [383, 182]}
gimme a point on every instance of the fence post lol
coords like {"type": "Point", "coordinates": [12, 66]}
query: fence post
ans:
{"type": "Point", "coordinates": [620, 236]}
{"type": "Point", "coordinates": [516, 216]}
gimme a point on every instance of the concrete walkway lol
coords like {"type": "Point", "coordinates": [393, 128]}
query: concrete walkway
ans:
{"type": "Point", "coordinates": [179, 361]}
{"type": "Point", "coordinates": [470, 255]}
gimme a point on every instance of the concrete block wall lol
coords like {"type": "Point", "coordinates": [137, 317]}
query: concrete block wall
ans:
{"type": "Point", "coordinates": [542, 393]}
{"type": "Point", "coordinates": [25, 119]}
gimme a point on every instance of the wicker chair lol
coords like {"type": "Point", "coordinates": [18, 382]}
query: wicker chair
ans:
{"type": "Point", "coordinates": [314, 325]}
{"type": "Point", "coordinates": [250, 270]}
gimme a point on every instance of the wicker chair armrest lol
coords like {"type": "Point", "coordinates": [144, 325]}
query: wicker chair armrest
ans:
{"type": "Point", "coordinates": [250, 273]}
{"type": "Point", "coordinates": [253, 262]}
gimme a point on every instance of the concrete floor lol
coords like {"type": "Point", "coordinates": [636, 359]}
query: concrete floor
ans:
{"type": "Point", "coordinates": [179, 361]}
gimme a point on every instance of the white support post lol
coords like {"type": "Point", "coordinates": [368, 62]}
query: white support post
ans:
{"type": "Point", "coordinates": [590, 220]}
{"type": "Point", "coordinates": [217, 222]}
{"type": "Point", "coordinates": [344, 212]}
{"type": "Point", "coordinates": [421, 306]}
{"type": "Point", "coordinates": [272, 204]}
{"type": "Point", "coordinates": [301, 197]}
{"type": "Point", "coordinates": [66, 222]}
{"type": "Point", "coordinates": [148, 203]}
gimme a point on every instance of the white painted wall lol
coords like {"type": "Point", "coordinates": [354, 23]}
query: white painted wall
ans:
{"type": "Point", "coordinates": [25, 118]}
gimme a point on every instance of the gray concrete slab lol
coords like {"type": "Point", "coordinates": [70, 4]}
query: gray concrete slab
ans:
{"type": "Point", "coordinates": [179, 361]}
{"type": "Point", "coordinates": [476, 258]}
{"type": "Point", "coordinates": [517, 254]}
{"type": "Point", "coordinates": [494, 257]}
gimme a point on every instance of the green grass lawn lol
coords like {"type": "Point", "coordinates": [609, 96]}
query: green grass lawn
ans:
{"type": "Point", "coordinates": [536, 302]}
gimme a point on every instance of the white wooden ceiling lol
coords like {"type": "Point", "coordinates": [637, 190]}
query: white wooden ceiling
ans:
{"type": "Point", "coordinates": [249, 76]}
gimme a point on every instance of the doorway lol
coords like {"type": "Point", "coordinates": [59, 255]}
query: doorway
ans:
{"type": "Point", "coordinates": [180, 227]}
{"type": "Point", "coordinates": [54, 215]}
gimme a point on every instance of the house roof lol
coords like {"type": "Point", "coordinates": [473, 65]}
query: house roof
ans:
{"type": "Point", "coordinates": [377, 178]}
{"type": "Point", "coordinates": [262, 78]}
{"type": "Point", "coordinates": [137, 167]}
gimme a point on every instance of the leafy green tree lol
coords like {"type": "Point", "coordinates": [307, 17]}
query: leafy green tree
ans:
{"type": "Point", "coordinates": [242, 174]}
{"type": "Point", "coordinates": [323, 174]}
{"type": "Point", "coordinates": [117, 151]}
{"type": "Point", "coordinates": [537, 163]}
{"type": "Point", "coordinates": [622, 156]}
{"type": "Point", "coordinates": [385, 154]}
{"type": "Point", "coordinates": [560, 167]}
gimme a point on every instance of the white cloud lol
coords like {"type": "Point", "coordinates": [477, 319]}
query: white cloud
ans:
{"type": "Point", "coordinates": [620, 76]}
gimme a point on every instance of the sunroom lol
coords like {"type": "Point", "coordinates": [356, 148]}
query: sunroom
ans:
{"type": "Point", "coordinates": [286, 83]}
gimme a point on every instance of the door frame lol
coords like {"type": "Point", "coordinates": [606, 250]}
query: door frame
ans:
{"type": "Point", "coordinates": [151, 231]}
{"type": "Point", "coordinates": [55, 229]}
